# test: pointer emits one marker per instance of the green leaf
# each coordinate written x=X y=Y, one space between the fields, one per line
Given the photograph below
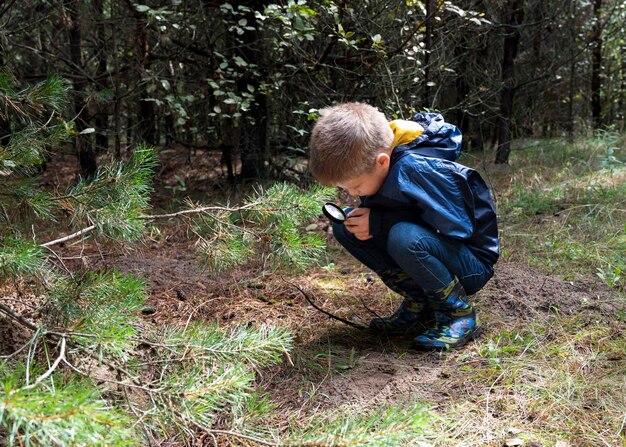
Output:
x=240 y=62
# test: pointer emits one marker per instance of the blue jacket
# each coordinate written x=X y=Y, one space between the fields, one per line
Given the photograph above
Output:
x=426 y=186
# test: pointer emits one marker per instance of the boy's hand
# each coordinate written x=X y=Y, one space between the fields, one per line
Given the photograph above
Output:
x=358 y=223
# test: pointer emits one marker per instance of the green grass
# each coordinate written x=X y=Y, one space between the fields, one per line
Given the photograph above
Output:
x=562 y=207
x=560 y=379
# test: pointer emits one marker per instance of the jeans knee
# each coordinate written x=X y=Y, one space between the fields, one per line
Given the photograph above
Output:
x=407 y=237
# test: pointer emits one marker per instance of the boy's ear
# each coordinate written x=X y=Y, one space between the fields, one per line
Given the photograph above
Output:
x=382 y=159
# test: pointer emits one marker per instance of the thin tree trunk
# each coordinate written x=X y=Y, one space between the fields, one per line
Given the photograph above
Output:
x=596 y=65
x=514 y=18
x=129 y=130
x=470 y=141
x=147 y=129
x=572 y=75
x=117 y=127
x=83 y=144
x=621 y=112
x=254 y=153
x=102 y=116
x=5 y=129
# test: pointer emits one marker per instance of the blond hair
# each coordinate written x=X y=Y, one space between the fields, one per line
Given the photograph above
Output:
x=346 y=140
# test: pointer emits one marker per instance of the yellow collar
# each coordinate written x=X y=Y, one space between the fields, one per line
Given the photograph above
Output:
x=405 y=131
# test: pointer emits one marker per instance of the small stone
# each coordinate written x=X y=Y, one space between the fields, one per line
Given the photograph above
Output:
x=513 y=442
x=148 y=310
x=311 y=227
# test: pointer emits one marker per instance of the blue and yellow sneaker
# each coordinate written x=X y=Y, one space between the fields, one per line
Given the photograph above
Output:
x=455 y=320
x=411 y=317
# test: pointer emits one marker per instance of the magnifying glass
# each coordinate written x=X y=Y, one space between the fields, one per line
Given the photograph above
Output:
x=334 y=213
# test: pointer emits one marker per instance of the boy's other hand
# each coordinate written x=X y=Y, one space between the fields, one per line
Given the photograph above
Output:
x=358 y=223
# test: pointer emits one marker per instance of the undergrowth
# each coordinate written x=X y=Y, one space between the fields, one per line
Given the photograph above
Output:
x=562 y=207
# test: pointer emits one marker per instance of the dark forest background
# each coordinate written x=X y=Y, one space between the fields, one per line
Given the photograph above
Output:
x=247 y=78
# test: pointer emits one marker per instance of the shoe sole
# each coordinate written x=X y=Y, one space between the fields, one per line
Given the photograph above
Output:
x=473 y=336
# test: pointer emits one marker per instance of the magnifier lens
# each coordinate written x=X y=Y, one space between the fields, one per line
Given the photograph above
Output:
x=334 y=213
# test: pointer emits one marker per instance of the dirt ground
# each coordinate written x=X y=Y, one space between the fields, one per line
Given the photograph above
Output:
x=332 y=365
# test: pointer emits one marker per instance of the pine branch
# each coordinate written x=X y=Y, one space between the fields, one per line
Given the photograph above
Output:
x=69 y=237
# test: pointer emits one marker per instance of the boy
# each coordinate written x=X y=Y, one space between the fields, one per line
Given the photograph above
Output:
x=426 y=225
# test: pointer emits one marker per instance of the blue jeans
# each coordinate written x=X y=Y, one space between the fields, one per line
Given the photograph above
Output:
x=430 y=260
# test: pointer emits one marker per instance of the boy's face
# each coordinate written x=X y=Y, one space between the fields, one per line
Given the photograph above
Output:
x=369 y=183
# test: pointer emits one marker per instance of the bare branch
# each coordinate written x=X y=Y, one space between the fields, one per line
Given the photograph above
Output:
x=48 y=373
x=89 y=229
x=199 y=211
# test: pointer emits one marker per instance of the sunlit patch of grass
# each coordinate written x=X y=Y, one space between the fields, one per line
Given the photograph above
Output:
x=561 y=379
x=328 y=283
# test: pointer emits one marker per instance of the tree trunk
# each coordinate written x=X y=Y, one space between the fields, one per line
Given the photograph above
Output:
x=117 y=106
x=102 y=115
x=83 y=144
x=5 y=129
x=471 y=140
x=514 y=18
x=572 y=75
x=621 y=111
x=254 y=152
x=147 y=126
x=596 y=65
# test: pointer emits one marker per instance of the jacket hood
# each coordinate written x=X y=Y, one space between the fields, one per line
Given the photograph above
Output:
x=405 y=131
x=438 y=139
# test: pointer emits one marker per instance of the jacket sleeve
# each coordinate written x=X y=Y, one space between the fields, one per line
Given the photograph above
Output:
x=441 y=198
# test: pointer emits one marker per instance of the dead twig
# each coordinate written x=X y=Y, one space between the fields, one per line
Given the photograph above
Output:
x=47 y=374
x=86 y=230
x=335 y=317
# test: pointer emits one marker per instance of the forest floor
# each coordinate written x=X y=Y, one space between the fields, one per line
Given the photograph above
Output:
x=548 y=369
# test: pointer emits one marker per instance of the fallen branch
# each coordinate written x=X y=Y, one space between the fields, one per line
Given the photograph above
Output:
x=20 y=319
x=335 y=317
x=203 y=209
x=47 y=374
x=198 y=211
x=89 y=229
